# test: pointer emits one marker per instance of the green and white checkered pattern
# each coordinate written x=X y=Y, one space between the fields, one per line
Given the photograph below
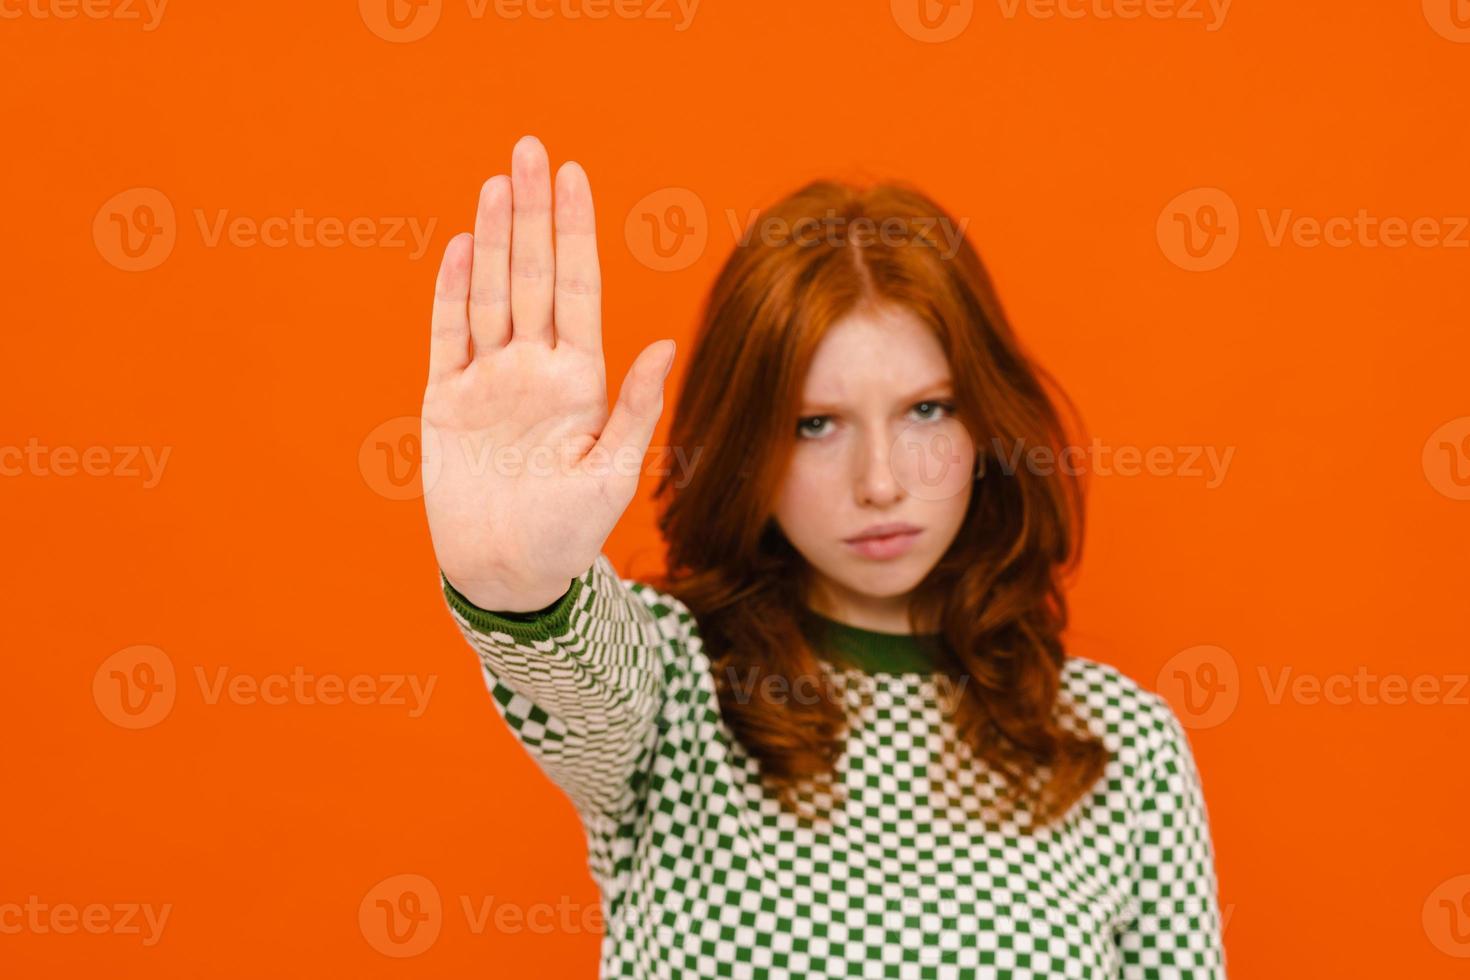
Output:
x=703 y=874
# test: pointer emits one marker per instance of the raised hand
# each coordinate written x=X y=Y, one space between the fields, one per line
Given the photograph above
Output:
x=533 y=471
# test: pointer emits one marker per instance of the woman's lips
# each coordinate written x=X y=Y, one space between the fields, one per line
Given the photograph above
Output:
x=888 y=546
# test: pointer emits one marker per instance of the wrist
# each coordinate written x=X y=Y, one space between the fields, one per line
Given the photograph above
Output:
x=534 y=626
x=493 y=597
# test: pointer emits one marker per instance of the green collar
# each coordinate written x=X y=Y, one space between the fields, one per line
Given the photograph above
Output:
x=871 y=651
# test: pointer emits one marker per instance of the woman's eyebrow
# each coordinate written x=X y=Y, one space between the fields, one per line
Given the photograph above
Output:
x=943 y=384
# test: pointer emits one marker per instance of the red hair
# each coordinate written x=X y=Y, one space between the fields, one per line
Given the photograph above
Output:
x=995 y=595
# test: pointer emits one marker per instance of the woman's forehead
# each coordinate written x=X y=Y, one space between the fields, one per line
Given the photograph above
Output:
x=895 y=353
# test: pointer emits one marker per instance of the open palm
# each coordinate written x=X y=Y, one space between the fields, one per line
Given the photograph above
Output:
x=533 y=471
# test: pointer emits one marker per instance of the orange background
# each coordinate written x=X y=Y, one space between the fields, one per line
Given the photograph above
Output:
x=1335 y=542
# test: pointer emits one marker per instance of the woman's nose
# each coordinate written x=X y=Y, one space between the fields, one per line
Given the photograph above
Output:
x=877 y=484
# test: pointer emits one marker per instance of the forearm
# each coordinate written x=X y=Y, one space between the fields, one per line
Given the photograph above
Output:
x=579 y=682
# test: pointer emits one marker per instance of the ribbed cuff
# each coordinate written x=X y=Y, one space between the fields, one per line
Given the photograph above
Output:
x=541 y=624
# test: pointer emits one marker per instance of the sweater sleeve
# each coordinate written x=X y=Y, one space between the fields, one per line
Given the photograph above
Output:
x=581 y=682
x=1176 y=931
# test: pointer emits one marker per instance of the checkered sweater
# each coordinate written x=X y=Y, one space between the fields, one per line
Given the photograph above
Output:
x=703 y=874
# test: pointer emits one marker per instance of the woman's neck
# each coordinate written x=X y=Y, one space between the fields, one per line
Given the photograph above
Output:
x=881 y=614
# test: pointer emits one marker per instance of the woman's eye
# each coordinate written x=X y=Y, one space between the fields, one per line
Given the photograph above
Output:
x=946 y=407
x=804 y=426
x=814 y=426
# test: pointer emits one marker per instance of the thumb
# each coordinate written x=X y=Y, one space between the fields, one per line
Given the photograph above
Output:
x=640 y=402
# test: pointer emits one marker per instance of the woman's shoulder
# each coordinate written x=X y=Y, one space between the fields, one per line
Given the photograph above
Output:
x=1132 y=721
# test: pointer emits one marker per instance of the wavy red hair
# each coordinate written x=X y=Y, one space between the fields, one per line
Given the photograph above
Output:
x=995 y=595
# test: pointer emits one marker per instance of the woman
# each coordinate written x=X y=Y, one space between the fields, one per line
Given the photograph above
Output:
x=841 y=736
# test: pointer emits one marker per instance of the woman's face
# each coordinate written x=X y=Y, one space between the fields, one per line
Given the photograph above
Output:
x=877 y=443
